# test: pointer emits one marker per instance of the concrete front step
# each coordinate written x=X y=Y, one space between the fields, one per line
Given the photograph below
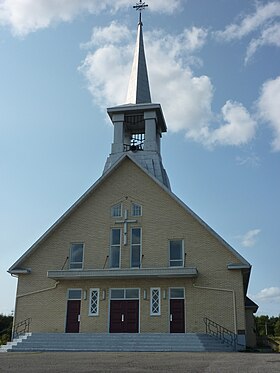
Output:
x=118 y=342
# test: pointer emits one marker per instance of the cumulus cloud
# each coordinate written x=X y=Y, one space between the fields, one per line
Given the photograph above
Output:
x=269 y=36
x=269 y=108
x=268 y=294
x=263 y=22
x=250 y=23
x=249 y=238
x=186 y=99
x=238 y=126
x=25 y=16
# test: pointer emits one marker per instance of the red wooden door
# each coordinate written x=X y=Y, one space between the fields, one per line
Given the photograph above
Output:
x=124 y=316
x=73 y=316
x=177 y=316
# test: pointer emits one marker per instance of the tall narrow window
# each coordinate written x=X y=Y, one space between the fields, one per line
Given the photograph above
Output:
x=94 y=302
x=135 y=247
x=76 y=256
x=155 y=301
x=115 y=248
x=176 y=258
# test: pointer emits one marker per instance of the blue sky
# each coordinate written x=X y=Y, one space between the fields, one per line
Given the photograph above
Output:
x=214 y=67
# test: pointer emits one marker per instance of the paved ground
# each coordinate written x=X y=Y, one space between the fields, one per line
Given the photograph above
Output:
x=86 y=362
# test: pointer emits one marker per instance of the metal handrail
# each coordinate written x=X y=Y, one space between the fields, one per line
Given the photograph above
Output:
x=21 y=327
x=220 y=332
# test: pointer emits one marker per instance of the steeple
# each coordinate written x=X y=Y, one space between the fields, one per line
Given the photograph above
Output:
x=138 y=87
x=139 y=123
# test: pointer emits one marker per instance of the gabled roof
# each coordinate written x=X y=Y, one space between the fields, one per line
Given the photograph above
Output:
x=249 y=304
x=16 y=267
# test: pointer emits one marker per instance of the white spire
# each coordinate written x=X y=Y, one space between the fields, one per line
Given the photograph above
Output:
x=138 y=88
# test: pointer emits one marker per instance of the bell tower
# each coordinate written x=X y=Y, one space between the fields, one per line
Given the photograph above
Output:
x=139 y=123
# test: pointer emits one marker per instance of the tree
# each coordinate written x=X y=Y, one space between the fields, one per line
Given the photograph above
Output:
x=266 y=325
x=6 y=323
x=277 y=328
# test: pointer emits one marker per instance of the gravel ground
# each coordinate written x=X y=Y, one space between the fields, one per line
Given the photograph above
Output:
x=86 y=362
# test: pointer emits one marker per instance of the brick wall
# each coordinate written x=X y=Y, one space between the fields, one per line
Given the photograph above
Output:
x=163 y=219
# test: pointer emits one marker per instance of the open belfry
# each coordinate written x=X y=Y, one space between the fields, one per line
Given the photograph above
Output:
x=129 y=261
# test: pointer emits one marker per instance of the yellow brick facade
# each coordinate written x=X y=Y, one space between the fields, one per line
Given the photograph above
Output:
x=216 y=293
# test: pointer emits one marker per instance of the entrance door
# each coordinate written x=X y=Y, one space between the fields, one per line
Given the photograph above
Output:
x=73 y=316
x=177 y=310
x=124 y=316
x=177 y=316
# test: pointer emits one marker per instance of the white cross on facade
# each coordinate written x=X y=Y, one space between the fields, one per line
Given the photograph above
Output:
x=125 y=222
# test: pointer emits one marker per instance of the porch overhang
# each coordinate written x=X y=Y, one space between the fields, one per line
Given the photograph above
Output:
x=123 y=273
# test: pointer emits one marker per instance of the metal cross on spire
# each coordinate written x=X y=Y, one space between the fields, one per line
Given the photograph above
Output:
x=140 y=6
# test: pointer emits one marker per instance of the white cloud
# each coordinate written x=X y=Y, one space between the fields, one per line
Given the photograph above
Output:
x=269 y=36
x=25 y=16
x=269 y=108
x=249 y=238
x=195 y=38
x=264 y=21
x=186 y=99
x=238 y=126
x=263 y=14
x=268 y=294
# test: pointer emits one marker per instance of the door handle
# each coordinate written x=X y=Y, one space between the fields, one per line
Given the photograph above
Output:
x=122 y=317
x=79 y=318
x=171 y=318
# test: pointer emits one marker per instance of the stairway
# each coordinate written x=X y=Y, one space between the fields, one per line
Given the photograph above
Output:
x=124 y=342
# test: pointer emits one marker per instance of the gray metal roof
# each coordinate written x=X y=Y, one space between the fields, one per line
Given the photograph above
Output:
x=138 y=87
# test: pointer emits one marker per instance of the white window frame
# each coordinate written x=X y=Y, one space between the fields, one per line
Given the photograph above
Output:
x=124 y=297
x=74 y=298
x=151 y=302
x=182 y=253
x=116 y=206
x=136 y=207
x=96 y=290
x=111 y=246
x=70 y=257
x=132 y=245
x=177 y=288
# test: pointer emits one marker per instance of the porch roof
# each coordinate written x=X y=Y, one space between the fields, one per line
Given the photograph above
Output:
x=123 y=273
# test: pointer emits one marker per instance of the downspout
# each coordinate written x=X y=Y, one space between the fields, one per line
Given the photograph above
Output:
x=233 y=300
x=38 y=291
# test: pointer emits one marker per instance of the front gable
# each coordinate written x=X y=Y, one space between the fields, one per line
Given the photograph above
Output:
x=162 y=218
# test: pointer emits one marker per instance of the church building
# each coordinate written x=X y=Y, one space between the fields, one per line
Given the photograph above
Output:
x=129 y=256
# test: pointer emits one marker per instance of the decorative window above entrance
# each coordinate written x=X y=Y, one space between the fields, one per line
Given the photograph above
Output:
x=124 y=293
x=74 y=294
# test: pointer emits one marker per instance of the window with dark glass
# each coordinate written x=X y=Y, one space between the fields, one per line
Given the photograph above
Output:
x=115 y=248
x=136 y=209
x=76 y=255
x=176 y=258
x=116 y=210
x=135 y=247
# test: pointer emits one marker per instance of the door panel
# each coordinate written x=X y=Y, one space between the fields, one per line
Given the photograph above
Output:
x=177 y=316
x=132 y=316
x=72 y=317
x=116 y=312
x=124 y=316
